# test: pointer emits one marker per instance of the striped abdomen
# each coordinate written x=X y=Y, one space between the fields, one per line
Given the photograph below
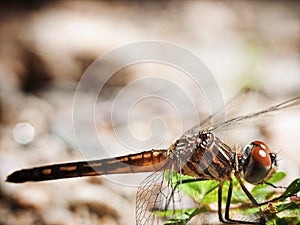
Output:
x=147 y=161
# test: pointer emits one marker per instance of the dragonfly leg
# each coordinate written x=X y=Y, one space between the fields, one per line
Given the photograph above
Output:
x=220 y=202
x=249 y=195
x=227 y=208
x=274 y=186
x=226 y=220
x=189 y=181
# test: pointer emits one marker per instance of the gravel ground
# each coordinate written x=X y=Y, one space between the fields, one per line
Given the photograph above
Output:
x=45 y=49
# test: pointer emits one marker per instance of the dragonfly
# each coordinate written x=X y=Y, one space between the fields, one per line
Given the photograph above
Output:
x=198 y=153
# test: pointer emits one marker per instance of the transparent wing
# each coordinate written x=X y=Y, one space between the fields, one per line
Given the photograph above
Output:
x=160 y=197
x=231 y=108
x=256 y=115
x=157 y=199
x=234 y=107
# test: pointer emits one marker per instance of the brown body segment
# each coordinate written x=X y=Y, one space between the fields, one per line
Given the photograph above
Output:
x=148 y=161
x=210 y=160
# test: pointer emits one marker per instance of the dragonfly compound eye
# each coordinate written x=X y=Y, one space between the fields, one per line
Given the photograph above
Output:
x=260 y=162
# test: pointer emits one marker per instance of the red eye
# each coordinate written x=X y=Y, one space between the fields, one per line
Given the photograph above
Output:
x=259 y=162
x=261 y=154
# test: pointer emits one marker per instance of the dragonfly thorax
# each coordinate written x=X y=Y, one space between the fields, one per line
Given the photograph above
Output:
x=210 y=158
x=257 y=162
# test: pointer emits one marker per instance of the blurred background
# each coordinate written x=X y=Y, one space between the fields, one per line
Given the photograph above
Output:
x=45 y=48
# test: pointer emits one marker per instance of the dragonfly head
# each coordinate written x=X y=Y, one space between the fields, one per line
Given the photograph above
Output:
x=257 y=162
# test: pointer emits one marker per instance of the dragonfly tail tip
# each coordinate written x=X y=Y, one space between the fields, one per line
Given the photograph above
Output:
x=16 y=178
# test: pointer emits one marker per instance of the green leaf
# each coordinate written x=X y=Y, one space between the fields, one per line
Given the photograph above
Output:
x=280 y=221
x=263 y=192
x=206 y=192
x=274 y=179
x=180 y=216
x=292 y=189
x=277 y=177
x=289 y=206
x=284 y=221
x=238 y=194
x=201 y=191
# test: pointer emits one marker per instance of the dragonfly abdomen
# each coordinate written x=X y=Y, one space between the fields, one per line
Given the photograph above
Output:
x=148 y=161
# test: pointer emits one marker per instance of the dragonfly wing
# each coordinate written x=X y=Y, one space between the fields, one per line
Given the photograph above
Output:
x=157 y=199
x=231 y=108
x=234 y=108
x=256 y=116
